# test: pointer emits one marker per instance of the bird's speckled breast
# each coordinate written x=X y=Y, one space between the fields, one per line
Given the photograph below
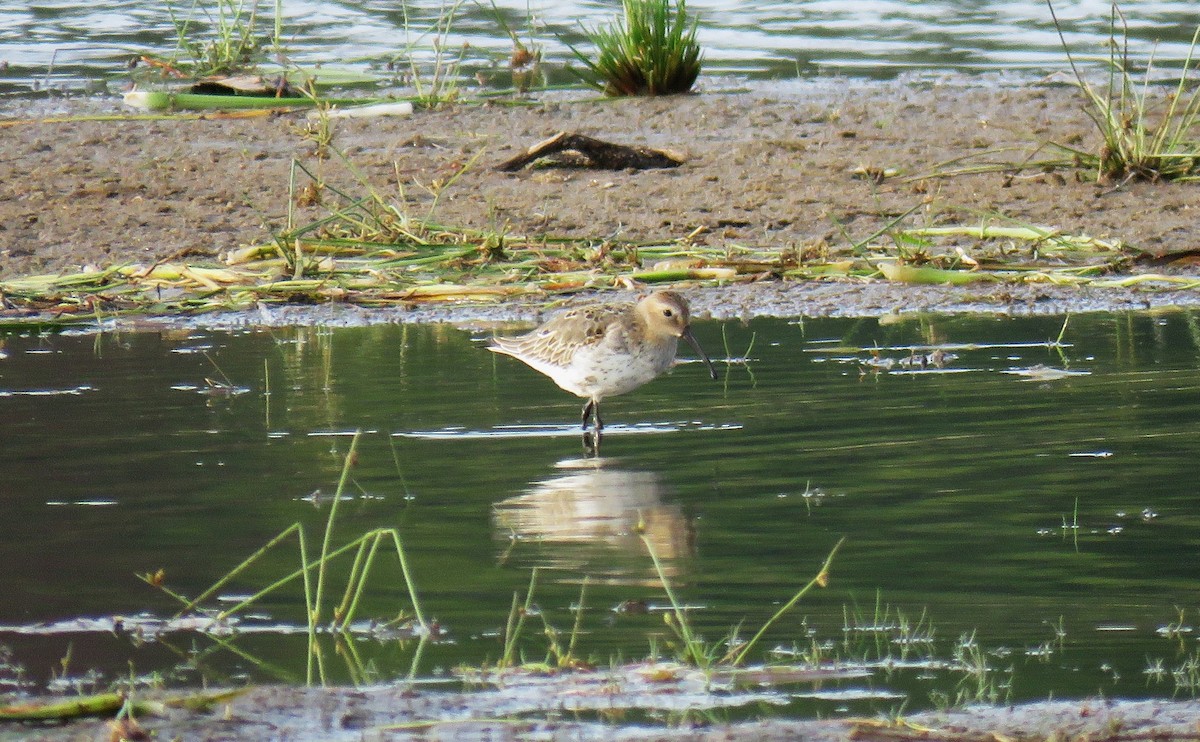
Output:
x=617 y=365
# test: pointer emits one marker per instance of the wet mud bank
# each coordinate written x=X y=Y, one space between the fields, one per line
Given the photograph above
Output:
x=389 y=713
x=802 y=171
x=737 y=303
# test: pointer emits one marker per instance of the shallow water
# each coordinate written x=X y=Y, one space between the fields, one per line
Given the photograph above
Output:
x=987 y=481
x=69 y=45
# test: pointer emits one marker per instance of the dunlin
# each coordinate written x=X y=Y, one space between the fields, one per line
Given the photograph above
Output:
x=601 y=350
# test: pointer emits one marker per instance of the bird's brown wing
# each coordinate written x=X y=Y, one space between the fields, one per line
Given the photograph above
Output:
x=557 y=341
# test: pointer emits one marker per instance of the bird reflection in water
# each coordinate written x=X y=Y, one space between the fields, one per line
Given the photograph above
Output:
x=587 y=518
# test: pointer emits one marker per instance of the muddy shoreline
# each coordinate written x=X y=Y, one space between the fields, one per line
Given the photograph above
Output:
x=274 y=713
x=721 y=303
x=777 y=171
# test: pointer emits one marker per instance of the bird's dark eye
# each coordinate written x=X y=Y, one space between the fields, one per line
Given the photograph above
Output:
x=668 y=313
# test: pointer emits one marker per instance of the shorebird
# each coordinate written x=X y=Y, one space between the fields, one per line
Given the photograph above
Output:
x=601 y=350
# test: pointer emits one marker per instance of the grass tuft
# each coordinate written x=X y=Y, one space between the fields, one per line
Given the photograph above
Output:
x=1145 y=136
x=435 y=81
x=707 y=656
x=236 y=43
x=365 y=548
x=652 y=50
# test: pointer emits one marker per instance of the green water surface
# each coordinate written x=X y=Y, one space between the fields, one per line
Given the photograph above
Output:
x=1033 y=500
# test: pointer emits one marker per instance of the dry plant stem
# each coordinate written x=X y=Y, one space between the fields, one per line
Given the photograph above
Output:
x=822 y=578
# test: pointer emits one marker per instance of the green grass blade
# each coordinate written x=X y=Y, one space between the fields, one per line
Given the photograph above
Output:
x=351 y=456
x=822 y=578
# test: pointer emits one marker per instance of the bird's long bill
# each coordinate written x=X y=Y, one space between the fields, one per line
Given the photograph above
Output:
x=688 y=336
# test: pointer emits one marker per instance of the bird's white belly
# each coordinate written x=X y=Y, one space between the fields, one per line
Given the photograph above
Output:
x=600 y=372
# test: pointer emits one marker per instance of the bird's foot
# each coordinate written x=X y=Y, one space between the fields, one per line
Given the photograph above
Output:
x=591 y=443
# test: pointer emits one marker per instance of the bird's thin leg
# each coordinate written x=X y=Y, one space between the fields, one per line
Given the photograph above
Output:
x=587 y=411
x=596 y=417
x=591 y=443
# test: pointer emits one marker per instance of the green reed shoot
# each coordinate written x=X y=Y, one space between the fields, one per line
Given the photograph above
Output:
x=516 y=622
x=694 y=649
x=355 y=584
x=578 y=625
x=651 y=50
x=351 y=457
x=564 y=659
x=1058 y=342
x=1073 y=526
x=737 y=655
x=1143 y=139
x=365 y=548
x=435 y=83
